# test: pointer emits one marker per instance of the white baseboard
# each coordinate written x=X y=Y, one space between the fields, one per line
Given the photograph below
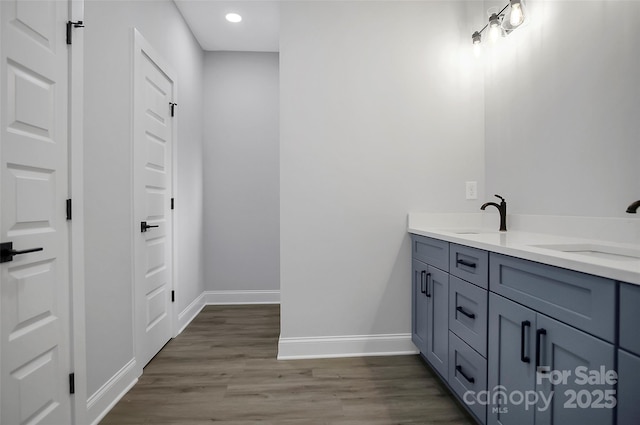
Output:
x=345 y=346
x=103 y=400
x=188 y=314
x=241 y=297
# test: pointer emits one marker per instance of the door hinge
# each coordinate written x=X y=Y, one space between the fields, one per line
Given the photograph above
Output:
x=68 y=209
x=70 y=25
x=173 y=296
x=172 y=203
x=173 y=106
x=72 y=383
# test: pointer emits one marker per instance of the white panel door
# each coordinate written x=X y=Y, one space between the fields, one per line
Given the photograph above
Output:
x=34 y=287
x=152 y=188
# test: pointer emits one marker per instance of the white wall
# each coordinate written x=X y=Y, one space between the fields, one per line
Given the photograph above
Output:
x=562 y=110
x=108 y=170
x=381 y=114
x=241 y=201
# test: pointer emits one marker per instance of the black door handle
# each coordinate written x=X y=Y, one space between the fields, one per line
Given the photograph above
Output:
x=144 y=226
x=470 y=379
x=427 y=293
x=422 y=281
x=539 y=332
x=465 y=312
x=7 y=252
x=467 y=263
x=523 y=325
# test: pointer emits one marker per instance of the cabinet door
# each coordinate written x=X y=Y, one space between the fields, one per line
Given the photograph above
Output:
x=628 y=388
x=419 y=306
x=438 y=319
x=510 y=360
x=629 y=317
x=563 y=349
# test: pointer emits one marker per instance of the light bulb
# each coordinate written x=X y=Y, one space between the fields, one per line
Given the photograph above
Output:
x=477 y=46
x=494 y=28
x=233 y=17
x=517 y=17
x=477 y=50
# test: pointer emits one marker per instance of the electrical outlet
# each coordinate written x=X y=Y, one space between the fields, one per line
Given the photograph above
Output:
x=472 y=190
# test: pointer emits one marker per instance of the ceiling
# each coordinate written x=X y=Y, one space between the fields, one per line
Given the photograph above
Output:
x=259 y=30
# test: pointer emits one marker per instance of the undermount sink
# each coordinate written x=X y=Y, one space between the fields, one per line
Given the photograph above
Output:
x=597 y=251
x=463 y=231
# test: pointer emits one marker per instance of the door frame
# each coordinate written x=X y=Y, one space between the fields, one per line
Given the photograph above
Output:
x=140 y=44
x=76 y=225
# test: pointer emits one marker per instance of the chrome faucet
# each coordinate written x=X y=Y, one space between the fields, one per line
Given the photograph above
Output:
x=633 y=208
x=502 y=209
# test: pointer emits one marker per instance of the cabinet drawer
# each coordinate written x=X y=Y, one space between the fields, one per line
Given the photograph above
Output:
x=581 y=300
x=467 y=372
x=470 y=264
x=468 y=313
x=431 y=251
x=629 y=317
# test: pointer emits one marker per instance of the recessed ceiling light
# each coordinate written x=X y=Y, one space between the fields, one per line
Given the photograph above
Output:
x=233 y=17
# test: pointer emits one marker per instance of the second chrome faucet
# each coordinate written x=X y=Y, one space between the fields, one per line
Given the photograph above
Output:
x=502 y=209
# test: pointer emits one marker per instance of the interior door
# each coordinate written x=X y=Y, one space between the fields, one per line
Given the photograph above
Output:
x=34 y=286
x=152 y=187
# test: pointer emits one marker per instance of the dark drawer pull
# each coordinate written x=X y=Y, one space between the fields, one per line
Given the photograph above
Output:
x=471 y=380
x=523 y=325
x=467 y=263
x=539 y=333
x=427 y=293
x=423 y=281
x=466 y=313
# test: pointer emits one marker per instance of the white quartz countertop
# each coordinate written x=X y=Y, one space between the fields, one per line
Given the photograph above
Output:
x=583 y=255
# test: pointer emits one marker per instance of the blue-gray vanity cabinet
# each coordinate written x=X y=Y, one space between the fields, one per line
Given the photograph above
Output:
x=628 y=388
x=517 y=334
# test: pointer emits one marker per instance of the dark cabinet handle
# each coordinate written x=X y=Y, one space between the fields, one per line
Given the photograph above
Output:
x=467 y=263
x=465 y=312
x=427 y=293
x=471 y=380
x=539 y=333
x=423 y=281
x=7 y=252
x=523 y=325
x=144 y=226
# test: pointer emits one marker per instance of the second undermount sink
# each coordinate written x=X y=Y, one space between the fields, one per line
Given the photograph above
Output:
x=597 y=251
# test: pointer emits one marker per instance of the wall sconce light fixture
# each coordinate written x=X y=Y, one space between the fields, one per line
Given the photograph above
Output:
x=500 y=24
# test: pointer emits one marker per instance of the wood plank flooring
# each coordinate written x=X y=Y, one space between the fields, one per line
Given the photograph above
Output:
x=222 y=369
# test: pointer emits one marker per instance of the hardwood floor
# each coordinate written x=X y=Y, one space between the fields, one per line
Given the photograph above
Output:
x=222 y=369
